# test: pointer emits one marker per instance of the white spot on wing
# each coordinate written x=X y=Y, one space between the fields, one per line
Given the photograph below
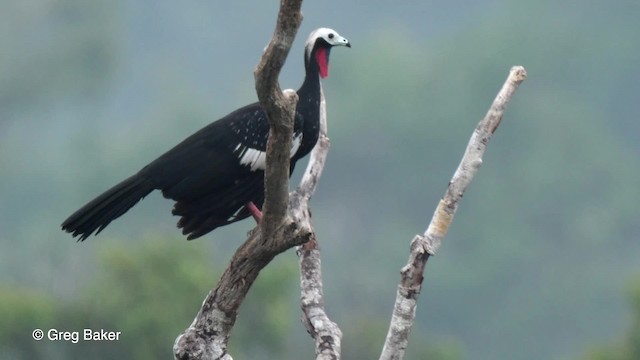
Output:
x=235 y=215
x=295 y=144
x=257 y=159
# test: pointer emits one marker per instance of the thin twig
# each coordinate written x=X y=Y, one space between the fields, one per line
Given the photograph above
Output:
x=426 y=245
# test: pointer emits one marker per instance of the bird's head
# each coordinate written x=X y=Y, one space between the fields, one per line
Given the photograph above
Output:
x=318 y=47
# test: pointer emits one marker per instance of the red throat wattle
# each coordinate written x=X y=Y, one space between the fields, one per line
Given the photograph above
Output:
x=323 y=64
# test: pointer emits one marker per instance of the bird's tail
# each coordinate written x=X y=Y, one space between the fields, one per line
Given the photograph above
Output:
x=99 y=212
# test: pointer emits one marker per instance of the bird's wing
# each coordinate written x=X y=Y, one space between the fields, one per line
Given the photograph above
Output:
x=211 y=159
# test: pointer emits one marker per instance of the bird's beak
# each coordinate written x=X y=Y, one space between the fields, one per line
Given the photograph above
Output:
x=340 y=41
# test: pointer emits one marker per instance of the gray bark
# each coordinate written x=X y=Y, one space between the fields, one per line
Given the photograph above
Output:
x=208 y=335
x=426 y=245
x=287 y=221
x=325 y=333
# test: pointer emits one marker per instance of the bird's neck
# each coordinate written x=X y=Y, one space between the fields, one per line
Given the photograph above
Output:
x=311 y=86
x=308 y=109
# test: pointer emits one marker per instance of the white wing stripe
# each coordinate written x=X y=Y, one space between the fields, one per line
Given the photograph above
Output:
x=256 y=159
x=295 y=144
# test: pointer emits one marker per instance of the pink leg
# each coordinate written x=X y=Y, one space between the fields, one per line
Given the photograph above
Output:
x=255 y=212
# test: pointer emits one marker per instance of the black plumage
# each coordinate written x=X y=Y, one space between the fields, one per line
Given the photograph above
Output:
x=215 y=173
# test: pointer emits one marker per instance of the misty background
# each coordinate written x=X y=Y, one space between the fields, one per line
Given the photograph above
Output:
x=539 y=261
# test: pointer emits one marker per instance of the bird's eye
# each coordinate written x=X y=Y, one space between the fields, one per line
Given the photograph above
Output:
x=331 y=36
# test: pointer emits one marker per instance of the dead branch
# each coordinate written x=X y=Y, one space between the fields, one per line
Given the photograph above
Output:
x=207 y=337
x=426 y=245
x=325 y=333
x=280 y=109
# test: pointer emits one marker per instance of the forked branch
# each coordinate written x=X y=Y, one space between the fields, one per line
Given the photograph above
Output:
x=207 y=337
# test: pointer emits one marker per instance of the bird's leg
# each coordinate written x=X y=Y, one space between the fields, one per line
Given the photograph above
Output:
x=255 y=212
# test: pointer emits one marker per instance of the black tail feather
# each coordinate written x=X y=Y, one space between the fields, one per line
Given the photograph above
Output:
x=99 y=212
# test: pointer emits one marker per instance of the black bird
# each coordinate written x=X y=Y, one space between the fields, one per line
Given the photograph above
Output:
x=216 y=175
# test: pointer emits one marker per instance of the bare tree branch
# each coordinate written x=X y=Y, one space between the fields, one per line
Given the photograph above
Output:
x=207 y=337
x=426 y=245
x=326 y=334
x=280 y=109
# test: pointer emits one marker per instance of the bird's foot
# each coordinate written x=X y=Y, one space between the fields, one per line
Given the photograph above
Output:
x=255 y=212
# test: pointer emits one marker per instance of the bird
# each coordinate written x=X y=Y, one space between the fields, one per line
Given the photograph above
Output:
x=216 y=175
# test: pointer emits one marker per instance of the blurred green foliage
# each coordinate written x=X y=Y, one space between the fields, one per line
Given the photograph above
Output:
x=150 y=293
x=628 y=346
